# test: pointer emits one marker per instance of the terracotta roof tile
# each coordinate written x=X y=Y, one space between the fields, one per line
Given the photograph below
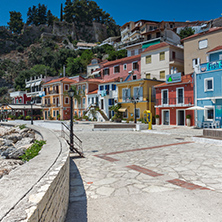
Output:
x=202 y=33
x=63 y=79
x=219 y=47
x=157 y=46
x=93 y=92
x=121 y=60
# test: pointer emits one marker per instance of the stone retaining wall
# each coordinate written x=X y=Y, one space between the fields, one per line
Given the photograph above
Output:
x=39 y=189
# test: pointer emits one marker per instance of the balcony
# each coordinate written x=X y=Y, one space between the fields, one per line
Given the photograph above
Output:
x=176 y=61
x=53 y=92
x=173 y=102
x=46 y=105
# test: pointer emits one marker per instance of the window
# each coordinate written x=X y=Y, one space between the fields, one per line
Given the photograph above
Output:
x=164 y=97
x=113 y=87
x=66 y=87
x=196 y=62
x=148 y=59
x=138 y=93
x=173 y=55
x=116 y=69
x=106 y=71
x=180 y=95
x=57 y=101
x=66 y=100
x=125 y=114
x=79 y=113
x=162 y=74
x=124 y=67
x=53 y=100
x=88 y=101
x=151 y=28
x=132 y=52
x=92 y=100
x=101 y=88
x=126 y=94
x=148 y=75
x=46 y=101
x=135 y=65
x=209 y=113
x=134 y=77
x=92 y=70
x=83 y=88
x=107 y=87
x=83 y=102
x=54 y=113
x=208 y=84
x=111 y=102
x=157 y=34
x=220 y=57
x=102 y=104
x=203 y=44
x=149 y=37
x=162 y=56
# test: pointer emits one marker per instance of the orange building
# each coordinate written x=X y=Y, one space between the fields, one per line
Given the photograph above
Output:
x=56 y=102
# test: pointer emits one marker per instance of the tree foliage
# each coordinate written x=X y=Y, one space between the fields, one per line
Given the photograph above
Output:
x=16 y=23
x=86 y=11
x=187 y=31
x=40 y=15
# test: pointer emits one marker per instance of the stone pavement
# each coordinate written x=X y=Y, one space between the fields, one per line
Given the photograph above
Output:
x=158 y=175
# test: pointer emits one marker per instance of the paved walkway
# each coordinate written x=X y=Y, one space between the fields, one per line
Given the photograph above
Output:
x=158 y=175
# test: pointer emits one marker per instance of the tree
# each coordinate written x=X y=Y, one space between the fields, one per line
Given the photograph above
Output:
x=68 y=11
x=37 y=15
x=61 y=13
x=50 y=18
x=113 y=55
x=187 y=31
x=16 y=23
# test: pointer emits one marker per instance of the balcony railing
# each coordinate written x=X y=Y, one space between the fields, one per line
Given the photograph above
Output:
x=54 y=92
x=177 y=101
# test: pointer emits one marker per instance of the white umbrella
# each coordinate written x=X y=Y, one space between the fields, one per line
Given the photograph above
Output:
x=196 y=108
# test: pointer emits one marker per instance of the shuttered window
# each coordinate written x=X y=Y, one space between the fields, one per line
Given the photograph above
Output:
x=148 y=59
x=162 y=74
x=162 y=56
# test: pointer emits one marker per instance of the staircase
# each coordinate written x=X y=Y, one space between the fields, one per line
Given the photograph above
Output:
x=77 y=143
x=103 y=115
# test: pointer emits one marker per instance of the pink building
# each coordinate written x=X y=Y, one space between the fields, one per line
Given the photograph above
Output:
x=122 y=68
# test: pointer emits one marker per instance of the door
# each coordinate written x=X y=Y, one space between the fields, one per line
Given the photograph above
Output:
x=180 y=118
x=166 y=117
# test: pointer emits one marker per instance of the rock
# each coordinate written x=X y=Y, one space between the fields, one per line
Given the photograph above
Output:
x=3 y=148
x=24 y=130
x=14 y=137
x=23 y=142
x=3 y=131
x=3 y=172
x=17 y=153
x=2 y=142
x=8 y=151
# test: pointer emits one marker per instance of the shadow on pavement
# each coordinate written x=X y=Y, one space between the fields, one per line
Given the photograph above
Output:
x=77 y=210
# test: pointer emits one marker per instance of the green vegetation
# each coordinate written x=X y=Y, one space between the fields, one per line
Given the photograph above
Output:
x=33 y=150
x=187 y=31
x=22 y=126
x=16 y=23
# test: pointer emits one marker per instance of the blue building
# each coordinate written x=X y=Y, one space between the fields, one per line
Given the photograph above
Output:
x=208 y=89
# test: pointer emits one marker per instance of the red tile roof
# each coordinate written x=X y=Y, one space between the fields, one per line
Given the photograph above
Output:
x=93 y=92
x=157 y=46
x=121 y=60
x=63 y=79
x=219 y=47
x=202 y=33
x=184 y=79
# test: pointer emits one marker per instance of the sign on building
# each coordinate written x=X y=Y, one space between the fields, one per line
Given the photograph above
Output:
x=171 y=78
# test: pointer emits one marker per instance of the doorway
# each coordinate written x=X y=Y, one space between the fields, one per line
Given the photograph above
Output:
x=181 y=118
x=166 y=117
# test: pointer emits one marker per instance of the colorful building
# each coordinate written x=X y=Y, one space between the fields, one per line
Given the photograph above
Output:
x=56 y=102
x=161 y=59
x=173 y=98
x=208 y=89
x=135 y=97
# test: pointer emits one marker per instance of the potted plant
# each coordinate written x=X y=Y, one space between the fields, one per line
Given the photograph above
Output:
x=131 y=120
x=188 y=117
x=58 y=117
x=157 y=120
x=123 y=121
x=139 y=120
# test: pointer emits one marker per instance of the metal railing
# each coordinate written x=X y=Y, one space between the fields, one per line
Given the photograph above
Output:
x=77 y=142
x=174 y=101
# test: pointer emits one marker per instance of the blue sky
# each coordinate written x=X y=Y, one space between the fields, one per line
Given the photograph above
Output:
x=130 y=10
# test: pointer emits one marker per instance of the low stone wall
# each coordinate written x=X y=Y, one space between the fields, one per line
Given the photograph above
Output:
x=114 y=126
x=39 y=189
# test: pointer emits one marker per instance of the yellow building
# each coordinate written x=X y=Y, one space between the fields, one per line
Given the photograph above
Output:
x=56 y=102
x=135 y=97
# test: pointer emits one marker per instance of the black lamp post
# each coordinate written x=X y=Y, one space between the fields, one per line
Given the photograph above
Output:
x=71 y=95
x=134 y=101
x=32 y=102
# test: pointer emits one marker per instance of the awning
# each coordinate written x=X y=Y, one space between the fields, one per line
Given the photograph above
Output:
x=24 y=106
x=95 y=73
x=122 y=110
x=37 y=83
x=28 y=85
x=146 y=45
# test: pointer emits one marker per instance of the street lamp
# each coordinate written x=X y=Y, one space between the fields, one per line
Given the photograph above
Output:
x=32 y=102
x=71 y=95
x=134 y=101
